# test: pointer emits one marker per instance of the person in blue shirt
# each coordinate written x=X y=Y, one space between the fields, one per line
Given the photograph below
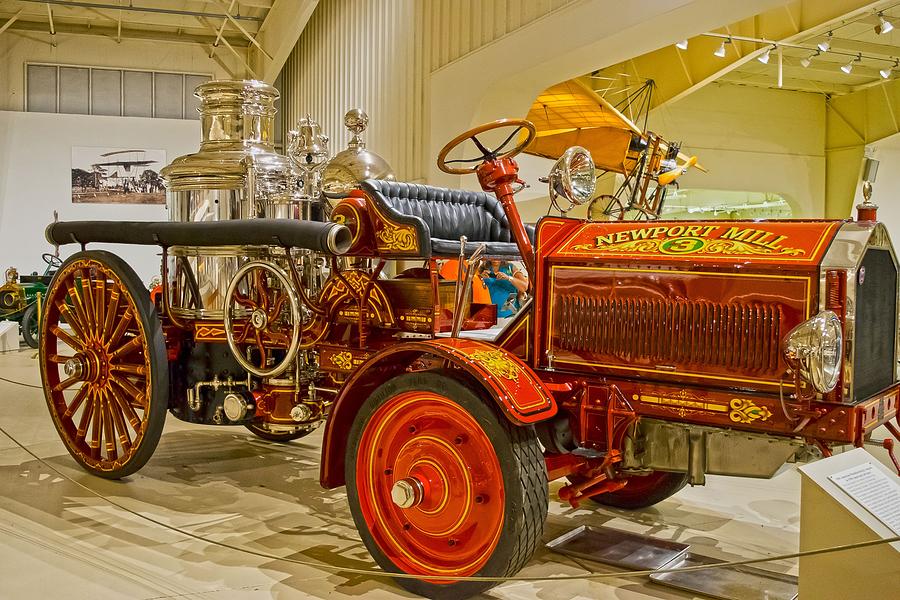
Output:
x=506 y=284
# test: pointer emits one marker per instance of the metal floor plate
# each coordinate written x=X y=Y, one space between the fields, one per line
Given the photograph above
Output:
x=728 y=583
x=618 y=548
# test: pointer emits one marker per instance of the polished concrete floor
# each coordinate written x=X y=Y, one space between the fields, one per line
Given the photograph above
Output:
x=59 y=541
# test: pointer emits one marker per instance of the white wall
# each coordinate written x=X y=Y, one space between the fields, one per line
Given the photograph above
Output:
x=752 y=139
x=887 y=182
x=35 y=179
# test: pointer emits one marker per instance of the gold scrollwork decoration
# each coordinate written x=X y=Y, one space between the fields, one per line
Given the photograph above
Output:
x=497 y=364
x=692 y=246
x=342 y=360
x=396 y=237
x=747 y=411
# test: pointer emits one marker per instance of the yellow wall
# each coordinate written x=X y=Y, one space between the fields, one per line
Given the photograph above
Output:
x=752 y=139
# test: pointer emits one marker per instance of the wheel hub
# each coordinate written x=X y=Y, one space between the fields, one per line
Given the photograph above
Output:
x=258 y=319
x=73 y=368
x=408 y=492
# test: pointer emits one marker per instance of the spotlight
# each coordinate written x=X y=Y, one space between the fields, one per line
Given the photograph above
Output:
x=825 y=45
x=682 y=45
x=885 y=73
x=848 y=68
x=764 y=57
x=884 y=26
x=720 y=51
x=806 y=61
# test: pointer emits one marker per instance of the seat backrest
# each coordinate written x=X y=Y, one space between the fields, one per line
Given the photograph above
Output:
x=448 y=213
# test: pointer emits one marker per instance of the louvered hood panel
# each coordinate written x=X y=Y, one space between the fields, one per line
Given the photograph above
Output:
x=704 y=303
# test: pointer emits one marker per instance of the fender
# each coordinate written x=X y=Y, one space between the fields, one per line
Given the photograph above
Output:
x=516 y=389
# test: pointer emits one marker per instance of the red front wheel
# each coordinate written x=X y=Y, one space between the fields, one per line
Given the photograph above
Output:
x=440 y=484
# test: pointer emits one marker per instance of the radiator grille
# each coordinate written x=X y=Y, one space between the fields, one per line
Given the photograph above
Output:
x=671 y=332
x=876 y=325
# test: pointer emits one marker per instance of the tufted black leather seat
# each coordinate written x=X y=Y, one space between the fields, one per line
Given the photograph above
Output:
x=442 y=215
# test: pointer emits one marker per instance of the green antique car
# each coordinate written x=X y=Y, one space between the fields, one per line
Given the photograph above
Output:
x=20 y=296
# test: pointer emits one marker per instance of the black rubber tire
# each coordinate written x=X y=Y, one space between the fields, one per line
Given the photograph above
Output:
x=524 y=474
x=159 y=367
x=663 y=485
x=31 y=329
x=279 y=437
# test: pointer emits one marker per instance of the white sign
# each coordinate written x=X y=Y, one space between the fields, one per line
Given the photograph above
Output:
x=874 y=491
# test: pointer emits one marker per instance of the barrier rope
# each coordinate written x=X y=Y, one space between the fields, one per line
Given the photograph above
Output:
x=373 y=572
x=21 y=383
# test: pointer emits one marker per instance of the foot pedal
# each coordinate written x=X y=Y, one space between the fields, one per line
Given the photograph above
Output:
x=618 y=548
x=728 y=583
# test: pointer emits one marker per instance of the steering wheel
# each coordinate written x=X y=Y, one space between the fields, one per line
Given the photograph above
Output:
x=486 y=154
x=53 y=261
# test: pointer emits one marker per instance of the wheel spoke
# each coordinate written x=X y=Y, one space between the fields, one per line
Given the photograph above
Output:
x=109 y=433
x=72 y=319
x=261 y=290
x=96 y=422
x=133 y=393
x=276 y=309
x=79 y=308
x=277 y=338
x=73 y=343
x=128 y=411
x=263 y=353
x=244 y=301
x=100 y=305
x=121 y=427
x=87 y=295
x=130 y=368
x=58 y=359
x=112 y=311
x=134 y=344
x=85 y=420
x=65 y=384
x=76 y=402
x=124 y=322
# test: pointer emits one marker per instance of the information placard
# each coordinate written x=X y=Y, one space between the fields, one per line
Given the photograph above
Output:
x=874 y=491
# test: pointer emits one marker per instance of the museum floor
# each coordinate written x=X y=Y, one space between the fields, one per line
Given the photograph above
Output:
x=227 y=485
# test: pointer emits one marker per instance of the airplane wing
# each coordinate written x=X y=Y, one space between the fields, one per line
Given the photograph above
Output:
x=570 y=113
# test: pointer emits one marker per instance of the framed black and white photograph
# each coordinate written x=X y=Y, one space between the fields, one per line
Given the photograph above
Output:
x=117 y=175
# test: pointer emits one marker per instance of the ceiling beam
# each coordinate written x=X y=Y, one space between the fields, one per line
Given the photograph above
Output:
x=246 y=3
x=885 y=50
x=10 y=21
x=246 y=33
x=279 y=34
x=231 y=48
x=112 y=31
x=222 y=28
x=789 y=83
x=144 y=9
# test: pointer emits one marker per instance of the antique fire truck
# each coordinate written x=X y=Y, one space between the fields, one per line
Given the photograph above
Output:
x=647 y=355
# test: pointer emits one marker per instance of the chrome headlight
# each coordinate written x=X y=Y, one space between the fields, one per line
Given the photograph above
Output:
x=572 y=177
x=813 y=349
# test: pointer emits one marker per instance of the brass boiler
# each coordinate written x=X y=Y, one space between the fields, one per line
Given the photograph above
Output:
x=232 y=176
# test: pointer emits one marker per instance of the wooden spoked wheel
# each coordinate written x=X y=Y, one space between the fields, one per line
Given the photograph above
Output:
x=103 y=364
x=440 y=484
x=262 y=319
